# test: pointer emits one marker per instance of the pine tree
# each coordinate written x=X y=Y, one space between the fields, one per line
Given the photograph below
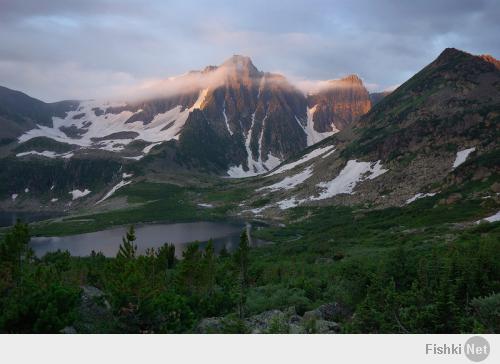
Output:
x=127 y=249
x=242 y=262
x=166 y=256
x=209 y=263
x=14 y=250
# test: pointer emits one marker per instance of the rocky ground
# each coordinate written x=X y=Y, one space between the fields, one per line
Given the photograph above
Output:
x=321 y=320
x=95 y=316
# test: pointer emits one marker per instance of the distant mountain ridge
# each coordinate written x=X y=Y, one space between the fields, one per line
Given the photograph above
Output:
x=243 y=122
x=437 y=132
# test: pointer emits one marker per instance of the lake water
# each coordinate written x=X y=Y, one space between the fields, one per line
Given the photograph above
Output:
x=223 y=234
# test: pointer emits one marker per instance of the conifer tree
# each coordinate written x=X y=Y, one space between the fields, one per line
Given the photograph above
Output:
x=209 y=262
x=242 y=262
x=128 y=249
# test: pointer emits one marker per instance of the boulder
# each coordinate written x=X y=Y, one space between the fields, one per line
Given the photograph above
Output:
x=481 y=173
x=296 y=329
x=68 y=330
x=327 y=327
x=495 y=187
x=265 y=321
x=211 y=325
x=329 y=312
x=321 y=321
x=451 y=199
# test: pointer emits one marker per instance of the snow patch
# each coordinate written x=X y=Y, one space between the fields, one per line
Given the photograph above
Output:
x=262 y=167
x=45 y=153
x=255 y=167
x=113 y=190
x=462 y=156
x=314 y=136
x=418 y=196
x=492 y=218
x=353 y=173
x=14 y=196
x=126 y=175
x=75 y=194
x=54 y=200
x=138 y=157
x=26 y=190
x=206 y=205
x=225 y=118
x=149 y=147
x=257 y=211
x=328 y=154
x=312 y=154
x=289 y=203
x=291 y=181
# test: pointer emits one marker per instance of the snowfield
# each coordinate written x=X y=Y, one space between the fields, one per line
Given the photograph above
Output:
x=75 y=194
x=462 y=157
x=353 y=173
x=291 y=181
x=289 y=203
x=90 y=128
x=311 y=155
x=113 y=190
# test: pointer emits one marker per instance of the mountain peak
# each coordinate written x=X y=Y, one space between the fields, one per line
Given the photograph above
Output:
x=353 y=78
x=449 y=54
x=239 y=62
x=240 y=68
x=453 y=56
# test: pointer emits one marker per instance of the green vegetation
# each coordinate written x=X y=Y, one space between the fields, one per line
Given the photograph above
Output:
x=415 y=269
x=150 y=202
x=153 y=292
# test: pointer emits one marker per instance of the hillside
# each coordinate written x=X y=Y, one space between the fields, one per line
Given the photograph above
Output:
x=435 y=133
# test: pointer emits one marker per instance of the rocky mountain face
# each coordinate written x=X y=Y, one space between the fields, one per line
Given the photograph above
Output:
x=435 y=135
x=340 y=104
x=252 y=118
x=231 y=119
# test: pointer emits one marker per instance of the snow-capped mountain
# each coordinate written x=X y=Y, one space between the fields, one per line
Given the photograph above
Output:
x=235 y=119
x=435 y=133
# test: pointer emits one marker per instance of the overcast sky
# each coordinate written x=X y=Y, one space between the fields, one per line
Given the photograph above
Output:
x=62 y=49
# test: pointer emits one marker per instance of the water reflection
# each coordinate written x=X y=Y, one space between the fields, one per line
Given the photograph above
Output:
x=223 y=234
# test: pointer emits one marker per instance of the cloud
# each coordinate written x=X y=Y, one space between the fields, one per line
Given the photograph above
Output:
x=66 y=81
x=92 y=43
x=184 y=84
